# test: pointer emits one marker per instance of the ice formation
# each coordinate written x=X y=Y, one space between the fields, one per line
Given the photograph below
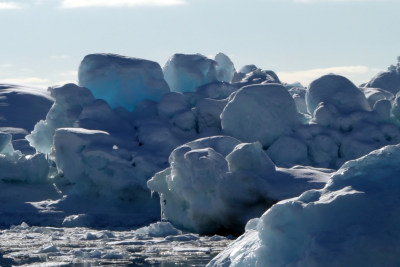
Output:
x=122 y=81
x=387 y=80
x=184 y=73
x=219 y=150
x=338 y=92
x=353 y=221
x=16 y=102
x=260 y=113
x=217 y=184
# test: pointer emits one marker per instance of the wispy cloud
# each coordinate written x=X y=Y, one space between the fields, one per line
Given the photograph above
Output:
x=119 y=3
x=10 y=5
x=33 y=81
x=357 y=74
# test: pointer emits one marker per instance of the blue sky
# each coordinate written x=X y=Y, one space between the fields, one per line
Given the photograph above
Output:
x=43 y=41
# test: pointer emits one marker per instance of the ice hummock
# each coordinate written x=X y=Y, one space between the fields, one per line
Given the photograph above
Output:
x=352 y=221
x=216 y=184
x=122 y=81
x=95 y=158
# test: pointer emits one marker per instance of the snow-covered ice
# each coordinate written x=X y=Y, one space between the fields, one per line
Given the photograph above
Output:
x=352 y=221
x=217 y=184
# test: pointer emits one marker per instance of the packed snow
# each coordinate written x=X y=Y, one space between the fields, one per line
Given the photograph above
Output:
x=203 y=148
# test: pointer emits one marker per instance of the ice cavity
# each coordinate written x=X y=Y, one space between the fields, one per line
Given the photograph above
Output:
x=260 y=113
x=122 y=81
x=186 y=72
x=352 y=221
x=216 y=184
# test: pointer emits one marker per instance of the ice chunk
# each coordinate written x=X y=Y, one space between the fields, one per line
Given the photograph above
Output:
x=122 y=81
x=299 y=96
x=373 y=95
x=184 y=73
x=87 y=158
x=352 y=221
x=251 y=158
x=288 y=151
x=16 y=167
x=387 y=80
x=158 y=229
x=6 y=146
x=257 y=76
x=78 y=220
x=242 y=117
x=48 y=249
x=216 y=184
x=225 y=68
x=338 y=91
x=69 y=103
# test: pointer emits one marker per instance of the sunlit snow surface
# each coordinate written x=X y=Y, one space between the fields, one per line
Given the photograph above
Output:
x=46 y=246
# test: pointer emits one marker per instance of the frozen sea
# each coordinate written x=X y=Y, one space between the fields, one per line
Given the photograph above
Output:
x=24 y=245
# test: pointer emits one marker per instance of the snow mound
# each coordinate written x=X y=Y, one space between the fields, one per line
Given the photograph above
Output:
x=353 y=221
x=260 y=113
x=122 y=81
x=184 y=73
x=337 y=91
x=216 y=184
x=387 y=80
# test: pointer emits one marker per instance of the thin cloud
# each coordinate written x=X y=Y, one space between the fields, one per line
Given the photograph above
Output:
x=33 y=81
x=10 y=5
x=356 y=74
x=119 y=3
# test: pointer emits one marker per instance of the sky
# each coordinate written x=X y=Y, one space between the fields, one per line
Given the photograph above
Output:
x=44 y=41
